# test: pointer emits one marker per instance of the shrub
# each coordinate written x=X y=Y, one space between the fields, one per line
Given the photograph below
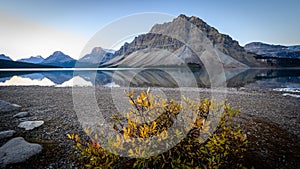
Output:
x=224 y=147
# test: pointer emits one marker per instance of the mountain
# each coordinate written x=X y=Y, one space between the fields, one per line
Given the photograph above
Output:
x=185 y=40
x=275 y=55
x=3 y=57
x=59 y=59
x=32 y=59
x=13 y=64
x=97 y=56
x=294 y=48
x=268 y=50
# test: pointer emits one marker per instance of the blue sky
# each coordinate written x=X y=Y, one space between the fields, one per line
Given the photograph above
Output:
x=35 y=27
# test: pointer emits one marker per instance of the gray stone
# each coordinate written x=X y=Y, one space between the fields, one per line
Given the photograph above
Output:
x=8 y=107
x=6 y=134
x=17 y=150
x=29 y=125
x=21 y=114
x=33 y=118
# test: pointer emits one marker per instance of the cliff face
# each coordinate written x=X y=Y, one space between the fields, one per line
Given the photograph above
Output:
x=156 y=50
x=150 y=40
x=188 y=40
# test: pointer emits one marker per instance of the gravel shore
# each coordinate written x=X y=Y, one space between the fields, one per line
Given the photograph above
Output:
x=270 y=120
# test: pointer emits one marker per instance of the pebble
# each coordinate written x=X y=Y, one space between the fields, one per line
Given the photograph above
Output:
x=6 y=134
x=21 y=114
x=27 y=118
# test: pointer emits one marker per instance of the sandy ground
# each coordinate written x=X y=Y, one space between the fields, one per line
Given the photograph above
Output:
x=270 y=120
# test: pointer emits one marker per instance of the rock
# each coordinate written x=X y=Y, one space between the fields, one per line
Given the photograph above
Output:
x=29 y=125
x=21 y=114
x=33 y=118
x=17 y=150
x=8 y=107
x=6 y=134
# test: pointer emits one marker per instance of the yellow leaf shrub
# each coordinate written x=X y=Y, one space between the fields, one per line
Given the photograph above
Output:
x=223 y=149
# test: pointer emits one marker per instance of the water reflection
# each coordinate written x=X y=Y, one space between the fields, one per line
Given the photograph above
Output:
x=25 y=81
x=250 y=78
x=79 y=81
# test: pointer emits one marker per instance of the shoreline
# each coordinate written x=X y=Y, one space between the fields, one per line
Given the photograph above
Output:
x=270 y=120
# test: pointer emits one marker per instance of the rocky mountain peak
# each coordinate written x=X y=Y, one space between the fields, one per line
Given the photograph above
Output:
x=4 y=57
x=58 y=53
x=173 y=36
x=182 y=16
x=97 y=50
x=32 y=59
x=58 y=56
x=98 y=55
x=202 y=25
x=38 y=56
x=60 y=59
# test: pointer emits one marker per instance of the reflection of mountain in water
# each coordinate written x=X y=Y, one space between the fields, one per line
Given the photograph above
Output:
x=56 y=77
x=268 y=76
x=59 y=77
x=96 y=77
x=3 y=79
x=156 y=78
x=75 y=81
x=33 y=76
x=270 y=79
x=24 y=81
x=257 y=78
x=185 y=77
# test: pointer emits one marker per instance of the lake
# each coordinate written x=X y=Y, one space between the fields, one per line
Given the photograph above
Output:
x=155 y=77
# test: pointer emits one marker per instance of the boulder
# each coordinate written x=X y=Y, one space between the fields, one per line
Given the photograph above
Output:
x=8 y=107
x=29 y=125
x=6 y=134
x=17 y=150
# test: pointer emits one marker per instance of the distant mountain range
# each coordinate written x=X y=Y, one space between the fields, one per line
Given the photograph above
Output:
x=275 y=55
x=7 y=62
x=268 y=50
x=3 y=57
x=32 y=59
x=185 y=40
x=56 y=60
x=97 y=57
x=14 y=64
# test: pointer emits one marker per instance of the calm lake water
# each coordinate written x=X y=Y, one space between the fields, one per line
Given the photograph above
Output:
x=236 y=78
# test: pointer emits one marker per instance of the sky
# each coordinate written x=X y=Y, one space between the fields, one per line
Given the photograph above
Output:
x=34 y=27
